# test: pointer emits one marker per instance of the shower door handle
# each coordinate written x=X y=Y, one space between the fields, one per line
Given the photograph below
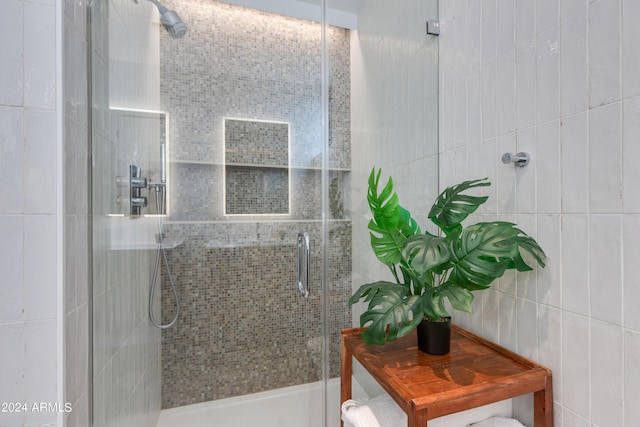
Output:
x=303 y=263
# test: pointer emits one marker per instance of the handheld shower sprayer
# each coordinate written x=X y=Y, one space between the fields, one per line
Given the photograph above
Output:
x=161 y=254
x=171 y=21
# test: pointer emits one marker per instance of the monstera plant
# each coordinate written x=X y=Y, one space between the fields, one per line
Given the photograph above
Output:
x=429 y=269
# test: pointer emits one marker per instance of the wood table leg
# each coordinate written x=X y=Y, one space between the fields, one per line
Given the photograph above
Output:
x=543 y=405
x=346 y=371
x=417 y=418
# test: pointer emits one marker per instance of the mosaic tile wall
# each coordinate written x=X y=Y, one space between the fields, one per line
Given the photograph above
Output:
x=202 y=185
x=243 y=327
x=232 y=63
x=256 y=191
x=256 y=143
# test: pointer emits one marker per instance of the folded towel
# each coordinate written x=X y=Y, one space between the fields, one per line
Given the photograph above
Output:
x=381 y=411
x=497 y=422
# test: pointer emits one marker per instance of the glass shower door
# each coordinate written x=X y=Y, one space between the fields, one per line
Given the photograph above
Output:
x=244 y=96
x=238 y=105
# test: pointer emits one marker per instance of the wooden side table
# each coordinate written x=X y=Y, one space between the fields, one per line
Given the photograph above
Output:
x=476 y=372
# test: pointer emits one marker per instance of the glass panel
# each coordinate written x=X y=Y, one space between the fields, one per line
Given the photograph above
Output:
x=394 y=125
x=125 y=88
x=244 y=328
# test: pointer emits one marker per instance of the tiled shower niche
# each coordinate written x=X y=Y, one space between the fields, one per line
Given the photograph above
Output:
x=256 y=167
x=243 y=326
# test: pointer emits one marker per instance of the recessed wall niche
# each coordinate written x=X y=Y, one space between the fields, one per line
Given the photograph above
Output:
x=256 y=159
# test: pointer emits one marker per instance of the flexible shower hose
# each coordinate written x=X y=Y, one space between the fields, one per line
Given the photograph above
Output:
x=161 y=253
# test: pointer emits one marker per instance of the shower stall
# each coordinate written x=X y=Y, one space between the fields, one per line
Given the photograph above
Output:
x=230 y=150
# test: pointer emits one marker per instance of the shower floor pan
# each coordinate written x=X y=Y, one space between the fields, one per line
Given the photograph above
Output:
x=297 y=406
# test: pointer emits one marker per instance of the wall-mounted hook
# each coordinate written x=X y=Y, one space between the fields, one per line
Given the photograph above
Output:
x=520 y=159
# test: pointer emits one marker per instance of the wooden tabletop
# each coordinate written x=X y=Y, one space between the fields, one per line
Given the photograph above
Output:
x=476 y=372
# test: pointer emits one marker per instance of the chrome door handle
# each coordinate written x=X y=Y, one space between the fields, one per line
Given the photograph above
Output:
x=303 y=263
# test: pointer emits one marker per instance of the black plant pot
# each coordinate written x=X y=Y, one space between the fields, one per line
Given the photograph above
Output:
x=434 y=337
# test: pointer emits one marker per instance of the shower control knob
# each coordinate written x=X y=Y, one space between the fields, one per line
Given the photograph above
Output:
x=520 y=159
x=137 y=182
x=139 y=202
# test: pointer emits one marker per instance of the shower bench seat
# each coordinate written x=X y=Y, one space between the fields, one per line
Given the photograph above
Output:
x=476 y=372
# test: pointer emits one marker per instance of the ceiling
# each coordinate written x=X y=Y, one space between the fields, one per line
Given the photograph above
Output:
x=341 y=13
x=351 y=6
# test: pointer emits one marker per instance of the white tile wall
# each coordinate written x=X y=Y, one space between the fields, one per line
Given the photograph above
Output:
x=548 y=167
x=39 y=162
x=39 y=55
x=577 y=113
x=29 y=216
x=548 y=75
x=547 y=14
x=12 y=369
x=11 y=77
x=575 y=394
x=605 y=177
x=40 y=372
x=549 y=338
x=574 y=73
x=40 y=265
x=12 y=267
x=11 y=160
x=574 y=154
x=604 y=52
x=631 y=270
x=630 y=52
x=605 y=267
x=631 y=377
x=606 y=374
x=575 y=249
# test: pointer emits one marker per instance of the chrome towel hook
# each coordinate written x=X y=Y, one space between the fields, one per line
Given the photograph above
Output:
x=520 y=159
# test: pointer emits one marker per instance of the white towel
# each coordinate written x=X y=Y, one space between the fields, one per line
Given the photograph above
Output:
x=498 y=422
x=381 y=411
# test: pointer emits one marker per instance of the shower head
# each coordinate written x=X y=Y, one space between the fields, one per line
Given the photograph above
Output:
x=171 y=21
x=173 y=24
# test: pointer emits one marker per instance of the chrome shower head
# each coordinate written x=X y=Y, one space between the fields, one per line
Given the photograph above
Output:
x=171 y=21
x=174 y=25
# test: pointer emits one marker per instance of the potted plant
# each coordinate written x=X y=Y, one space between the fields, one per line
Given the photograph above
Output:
x=429 y=269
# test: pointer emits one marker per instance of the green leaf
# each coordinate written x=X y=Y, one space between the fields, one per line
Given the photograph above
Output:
x=387 y=245
x=391 y=224
x=383 y=206
x=408 y=226
x=460 y=298
x=369 y=290
x=482 y=252
x=425 y=252
x=391 y=312
x=452 y=207
x=529 y=245
x=433 y=305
